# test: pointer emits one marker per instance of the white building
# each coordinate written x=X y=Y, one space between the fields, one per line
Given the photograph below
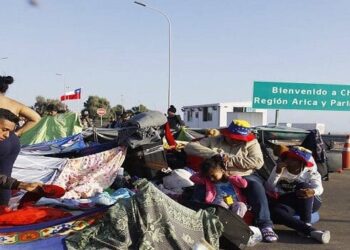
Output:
x=217 y=115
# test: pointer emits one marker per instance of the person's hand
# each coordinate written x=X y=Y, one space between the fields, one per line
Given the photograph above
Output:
x=30 y=187
x=212 y=132
x=221 y=157
x=305 y=193
x=280 y=167
x=225 y=159
x=179 y=146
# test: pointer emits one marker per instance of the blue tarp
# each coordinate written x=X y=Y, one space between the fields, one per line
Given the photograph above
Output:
x=64 y=145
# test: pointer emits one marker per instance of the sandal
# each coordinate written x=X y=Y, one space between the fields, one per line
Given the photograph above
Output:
x=269 y=235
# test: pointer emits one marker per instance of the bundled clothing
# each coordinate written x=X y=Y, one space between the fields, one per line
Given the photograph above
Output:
x=142 y=129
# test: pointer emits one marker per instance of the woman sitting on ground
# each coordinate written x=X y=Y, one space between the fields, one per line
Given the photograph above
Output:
x=294 y=186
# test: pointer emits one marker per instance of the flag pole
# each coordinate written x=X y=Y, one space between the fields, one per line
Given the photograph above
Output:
x=79 y=105
x=64 y=88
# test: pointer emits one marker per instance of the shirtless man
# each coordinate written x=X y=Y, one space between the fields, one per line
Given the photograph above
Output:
x=9 y=149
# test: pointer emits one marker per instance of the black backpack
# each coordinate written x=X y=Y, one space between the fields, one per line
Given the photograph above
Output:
x=314 y=142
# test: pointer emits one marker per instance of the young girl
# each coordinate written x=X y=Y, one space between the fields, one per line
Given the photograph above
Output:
x=294 y=187
x=221 y=189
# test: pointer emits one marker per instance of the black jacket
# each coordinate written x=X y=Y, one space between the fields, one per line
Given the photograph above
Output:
x=175 y=122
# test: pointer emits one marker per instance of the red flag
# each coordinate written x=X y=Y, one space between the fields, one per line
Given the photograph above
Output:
x=73 y=95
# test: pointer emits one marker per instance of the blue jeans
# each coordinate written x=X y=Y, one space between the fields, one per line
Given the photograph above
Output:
x=256 y=196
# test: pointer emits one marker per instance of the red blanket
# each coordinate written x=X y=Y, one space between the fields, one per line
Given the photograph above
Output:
x=30 y=215
x=49 y=191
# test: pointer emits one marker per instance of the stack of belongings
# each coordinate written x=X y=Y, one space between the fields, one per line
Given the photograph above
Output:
x=104 y=215
x=142 y=134
x=174 y=183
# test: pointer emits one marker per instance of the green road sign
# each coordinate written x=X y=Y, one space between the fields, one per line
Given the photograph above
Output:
x=307 y=96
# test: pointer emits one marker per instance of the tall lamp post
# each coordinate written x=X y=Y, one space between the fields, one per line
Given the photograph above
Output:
x=3 y=58
x=169 y=22
x=64 y=82
x=64 y=87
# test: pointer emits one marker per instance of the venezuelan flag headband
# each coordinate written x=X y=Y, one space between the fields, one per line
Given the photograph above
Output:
x=239 y=130
x=299 y=153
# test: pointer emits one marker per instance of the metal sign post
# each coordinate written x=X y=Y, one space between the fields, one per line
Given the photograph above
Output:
x=101 y=112
x=276 y=117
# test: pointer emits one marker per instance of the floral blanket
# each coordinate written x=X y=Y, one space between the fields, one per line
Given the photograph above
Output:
x=149 y=220
x=89 y=175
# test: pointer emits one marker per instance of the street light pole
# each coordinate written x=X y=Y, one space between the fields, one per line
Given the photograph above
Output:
x=64 y=88
x=3 y=58
x=169 y=29
x=64 y=82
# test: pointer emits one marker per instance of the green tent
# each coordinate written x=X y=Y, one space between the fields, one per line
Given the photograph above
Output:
x=52 y=127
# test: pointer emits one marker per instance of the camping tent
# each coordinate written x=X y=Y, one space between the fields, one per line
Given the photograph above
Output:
x=51 y=128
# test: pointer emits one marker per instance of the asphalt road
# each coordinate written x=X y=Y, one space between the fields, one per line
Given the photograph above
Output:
x=335 y=216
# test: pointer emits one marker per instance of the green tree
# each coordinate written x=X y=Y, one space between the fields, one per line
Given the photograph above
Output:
x=95 y=102
x=116 y=109
x=139 y=109
x=41 y=104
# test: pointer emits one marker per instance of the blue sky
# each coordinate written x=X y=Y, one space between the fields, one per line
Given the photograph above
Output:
x=119 y=50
